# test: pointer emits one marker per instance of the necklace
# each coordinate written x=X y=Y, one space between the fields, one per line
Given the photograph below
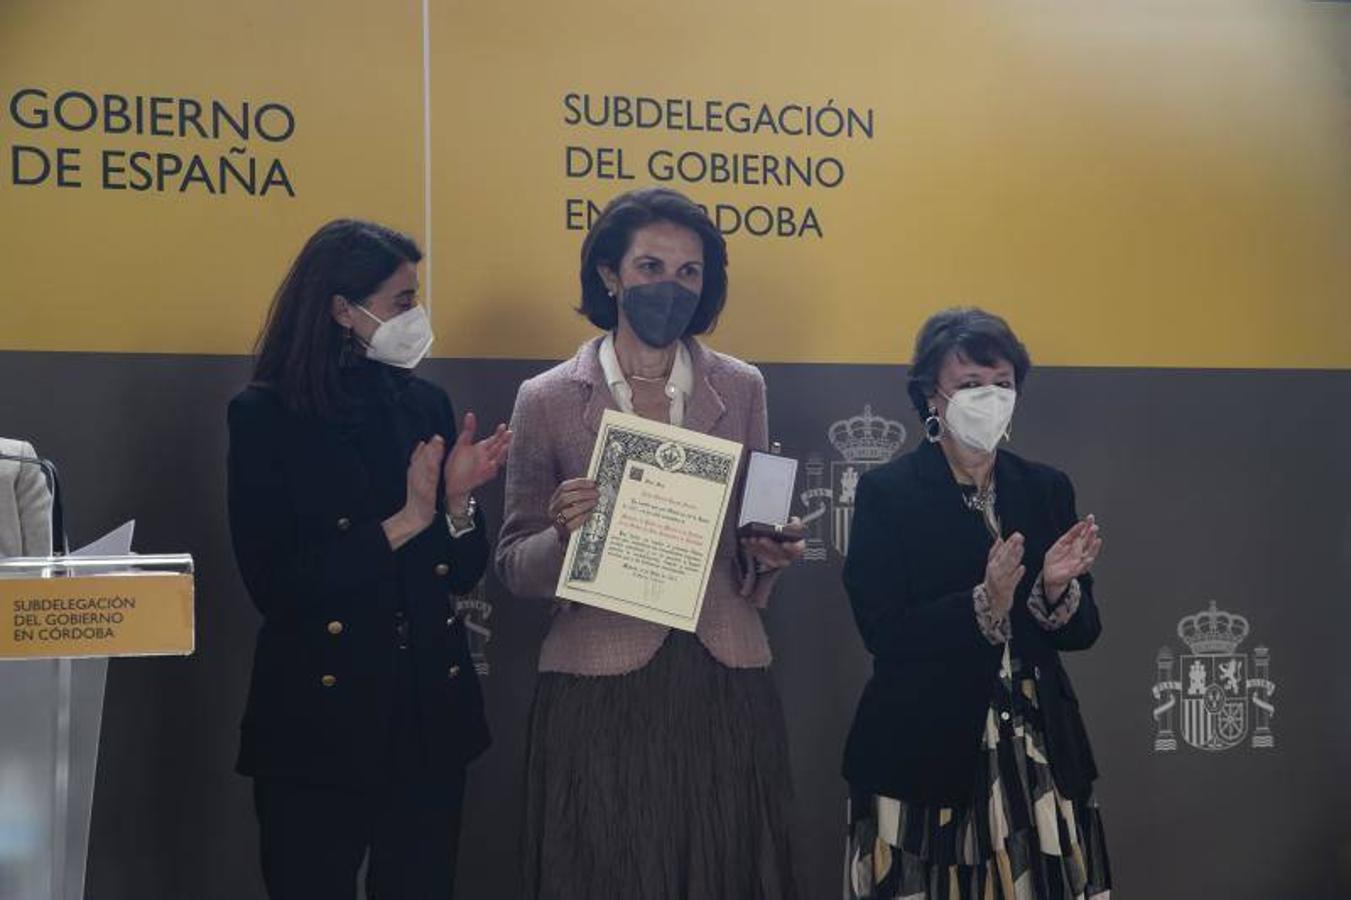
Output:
x=981 y=500
x=661 y=379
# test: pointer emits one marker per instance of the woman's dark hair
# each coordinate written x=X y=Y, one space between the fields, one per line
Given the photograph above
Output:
x=300 y=345
x=983 y=338
x=609 y=239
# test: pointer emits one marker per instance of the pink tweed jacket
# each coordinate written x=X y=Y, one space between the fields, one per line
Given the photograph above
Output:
x=555 y=422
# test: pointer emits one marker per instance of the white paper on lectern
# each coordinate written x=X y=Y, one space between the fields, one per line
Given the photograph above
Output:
x=768 y=495
x=115 y=543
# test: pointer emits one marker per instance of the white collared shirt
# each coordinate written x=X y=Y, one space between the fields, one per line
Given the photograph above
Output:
x=679 y=385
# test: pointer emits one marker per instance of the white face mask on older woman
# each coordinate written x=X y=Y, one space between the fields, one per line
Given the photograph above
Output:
x=979 y=417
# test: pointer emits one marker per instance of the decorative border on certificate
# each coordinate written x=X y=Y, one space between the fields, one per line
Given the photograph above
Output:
x=628 y=448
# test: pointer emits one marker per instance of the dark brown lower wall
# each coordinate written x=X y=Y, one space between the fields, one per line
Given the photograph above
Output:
x=1230 y=487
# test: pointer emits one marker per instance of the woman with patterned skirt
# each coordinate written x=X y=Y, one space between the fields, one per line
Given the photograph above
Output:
x=969 y=766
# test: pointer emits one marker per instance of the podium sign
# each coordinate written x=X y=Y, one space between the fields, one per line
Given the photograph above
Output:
x=56 y=610
x=125 y=614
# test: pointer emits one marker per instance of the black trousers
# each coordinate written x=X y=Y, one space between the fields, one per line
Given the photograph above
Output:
x=315 y=836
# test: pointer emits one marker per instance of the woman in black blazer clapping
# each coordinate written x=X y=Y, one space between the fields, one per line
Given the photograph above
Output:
x=353 y=520
x=969 y=767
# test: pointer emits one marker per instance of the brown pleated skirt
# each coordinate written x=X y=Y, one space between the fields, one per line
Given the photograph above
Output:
x=668 y=783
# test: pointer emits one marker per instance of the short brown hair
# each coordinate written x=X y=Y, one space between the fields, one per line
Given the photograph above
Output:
x=609 y=239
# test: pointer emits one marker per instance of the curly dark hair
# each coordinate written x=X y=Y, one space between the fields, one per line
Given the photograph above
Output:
x=982 y=337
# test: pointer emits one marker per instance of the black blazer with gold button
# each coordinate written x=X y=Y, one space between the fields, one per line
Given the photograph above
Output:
x=916 y=554
x=307 y=498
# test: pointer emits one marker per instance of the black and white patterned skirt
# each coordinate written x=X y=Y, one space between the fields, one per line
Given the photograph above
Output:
x=1018 y=838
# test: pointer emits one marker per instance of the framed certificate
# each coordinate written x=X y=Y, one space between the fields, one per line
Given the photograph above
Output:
x=648 y=548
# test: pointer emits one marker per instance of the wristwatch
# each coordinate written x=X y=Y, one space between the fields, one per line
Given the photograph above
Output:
x=463 y=524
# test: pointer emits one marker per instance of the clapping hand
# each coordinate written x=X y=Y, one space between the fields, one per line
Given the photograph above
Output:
x=470 y=465
x=1071 y=556
x=1004 y=569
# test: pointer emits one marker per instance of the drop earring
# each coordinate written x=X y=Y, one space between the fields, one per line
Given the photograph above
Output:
x=933 y=427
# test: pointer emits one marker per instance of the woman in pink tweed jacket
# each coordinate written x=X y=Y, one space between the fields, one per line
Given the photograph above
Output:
x=657 y=762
